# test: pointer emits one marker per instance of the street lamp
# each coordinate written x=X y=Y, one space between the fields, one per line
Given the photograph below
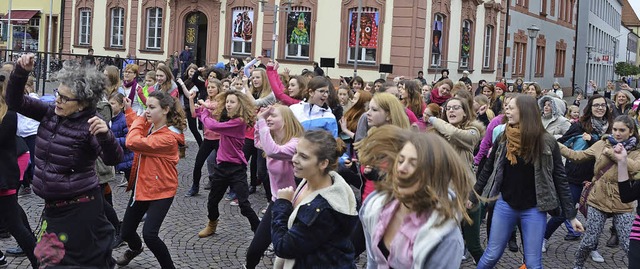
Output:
x=615 y=48
x=276 y=9
x=586 y=74
x=533 y=33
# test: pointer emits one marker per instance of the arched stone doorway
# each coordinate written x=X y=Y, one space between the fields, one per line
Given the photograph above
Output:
x=195 y=36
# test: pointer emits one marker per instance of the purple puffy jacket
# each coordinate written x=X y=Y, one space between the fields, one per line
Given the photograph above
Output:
x=65 y=151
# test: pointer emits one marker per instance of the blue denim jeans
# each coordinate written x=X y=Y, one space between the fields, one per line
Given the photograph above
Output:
x=555 y=222
x=504 y=219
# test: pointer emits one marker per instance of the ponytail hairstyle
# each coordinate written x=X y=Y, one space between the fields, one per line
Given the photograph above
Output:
x=218 y=85
x=176 y=116
x=326 y=147
x=246 y=109
x=118 y=97
x=4 y=80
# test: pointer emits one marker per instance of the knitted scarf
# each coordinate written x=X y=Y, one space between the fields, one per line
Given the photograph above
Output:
x=513 y=143
x=599 y=125
x=628 y=144
x=436 y=98
x=134 y=88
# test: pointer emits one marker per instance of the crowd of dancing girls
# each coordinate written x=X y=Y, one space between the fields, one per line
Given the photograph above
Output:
x=404 y=171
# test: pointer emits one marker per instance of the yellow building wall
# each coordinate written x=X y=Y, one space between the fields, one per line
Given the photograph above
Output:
x=44 y=7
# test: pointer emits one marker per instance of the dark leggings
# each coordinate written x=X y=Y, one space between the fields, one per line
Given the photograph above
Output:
x=235 y=176
x=261 y=240
x=634 y=254
x=250 y=151
x=18 y=225
x=193 y=126
x=204 y=151
x=109 y=212
x=262 y=173
x=471 y=234
x=156 y=211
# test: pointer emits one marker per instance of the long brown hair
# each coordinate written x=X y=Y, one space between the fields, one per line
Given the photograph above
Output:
x=441 y=169
x=585 y=120
x=176 y=116
x=414 y=99
x=166 y=86
x=531 y=128
x=265 y=89
x=113 y=77
x=353 y=114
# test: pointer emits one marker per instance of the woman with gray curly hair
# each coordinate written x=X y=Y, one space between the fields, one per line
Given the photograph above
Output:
x=70 y=138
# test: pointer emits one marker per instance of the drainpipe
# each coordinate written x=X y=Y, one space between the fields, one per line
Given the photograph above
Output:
x=504 y=46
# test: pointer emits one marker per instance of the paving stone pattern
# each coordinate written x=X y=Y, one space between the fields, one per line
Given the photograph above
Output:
x=227 y=248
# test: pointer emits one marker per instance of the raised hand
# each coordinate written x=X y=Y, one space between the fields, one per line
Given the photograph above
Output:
x=27 y=61
x=97 y=126
x=127 y=103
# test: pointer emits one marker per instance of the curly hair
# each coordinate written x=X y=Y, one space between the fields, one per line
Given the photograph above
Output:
x=246 y=108
x=176 y=116
x=86 y=82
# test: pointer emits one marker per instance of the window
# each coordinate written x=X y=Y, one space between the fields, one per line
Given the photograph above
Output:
x=84 y=33
x=488 y=39
x=540 y=57
x=117 y=27
x=519 y=58
x=368 y=42
x=436 y=44
x=154 y=28
x=3 y=35
x=561 y=56
x=465 y=44
x=298 y=33
x=522 y=3
x=241 y=31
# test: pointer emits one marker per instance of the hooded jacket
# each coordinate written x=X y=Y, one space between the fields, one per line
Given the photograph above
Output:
x=120 y=131
x=315 y=234
x=557 y=125
x=464 y=140
x=604 y=194
x=436 y=246
x=65 y=152
x=156 y=156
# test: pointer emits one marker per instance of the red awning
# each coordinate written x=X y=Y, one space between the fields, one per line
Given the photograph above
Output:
x=20 y=16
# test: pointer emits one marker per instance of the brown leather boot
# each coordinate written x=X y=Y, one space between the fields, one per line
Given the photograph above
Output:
x=209 y=229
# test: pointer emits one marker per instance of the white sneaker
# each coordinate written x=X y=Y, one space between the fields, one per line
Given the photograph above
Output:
x=544 y=245
x=596 y=257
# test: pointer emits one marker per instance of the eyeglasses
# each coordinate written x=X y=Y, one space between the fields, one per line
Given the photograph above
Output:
x=454 y=107
x=129 y=72
x=63 y=99
x=323 y=92
x=599 y=105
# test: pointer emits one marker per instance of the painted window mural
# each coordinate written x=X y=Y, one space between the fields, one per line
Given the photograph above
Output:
x=242 y=30
x=368 y=43
x=436 y=43
x=298 y=33
x=465 y=44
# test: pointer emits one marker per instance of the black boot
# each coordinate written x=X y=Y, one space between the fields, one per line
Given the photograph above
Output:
x=513 y=243
x=193 y=191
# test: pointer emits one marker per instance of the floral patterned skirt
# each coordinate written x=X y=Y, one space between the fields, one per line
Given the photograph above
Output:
x=75 y=233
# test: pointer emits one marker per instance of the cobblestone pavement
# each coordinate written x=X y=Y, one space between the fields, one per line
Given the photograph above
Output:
x=227 y=248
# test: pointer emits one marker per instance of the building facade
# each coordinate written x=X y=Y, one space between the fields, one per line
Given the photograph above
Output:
x=547 y=57
x=462 y=34
x=600 y=21
x=29 y=25
x=632 y=22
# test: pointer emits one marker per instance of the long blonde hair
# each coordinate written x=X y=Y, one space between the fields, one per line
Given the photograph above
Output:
x=394 y=108
x=441 y=170
x=265 y=89
x=291 y=126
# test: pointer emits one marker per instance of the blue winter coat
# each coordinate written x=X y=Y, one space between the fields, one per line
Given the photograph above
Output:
x=120 y=131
